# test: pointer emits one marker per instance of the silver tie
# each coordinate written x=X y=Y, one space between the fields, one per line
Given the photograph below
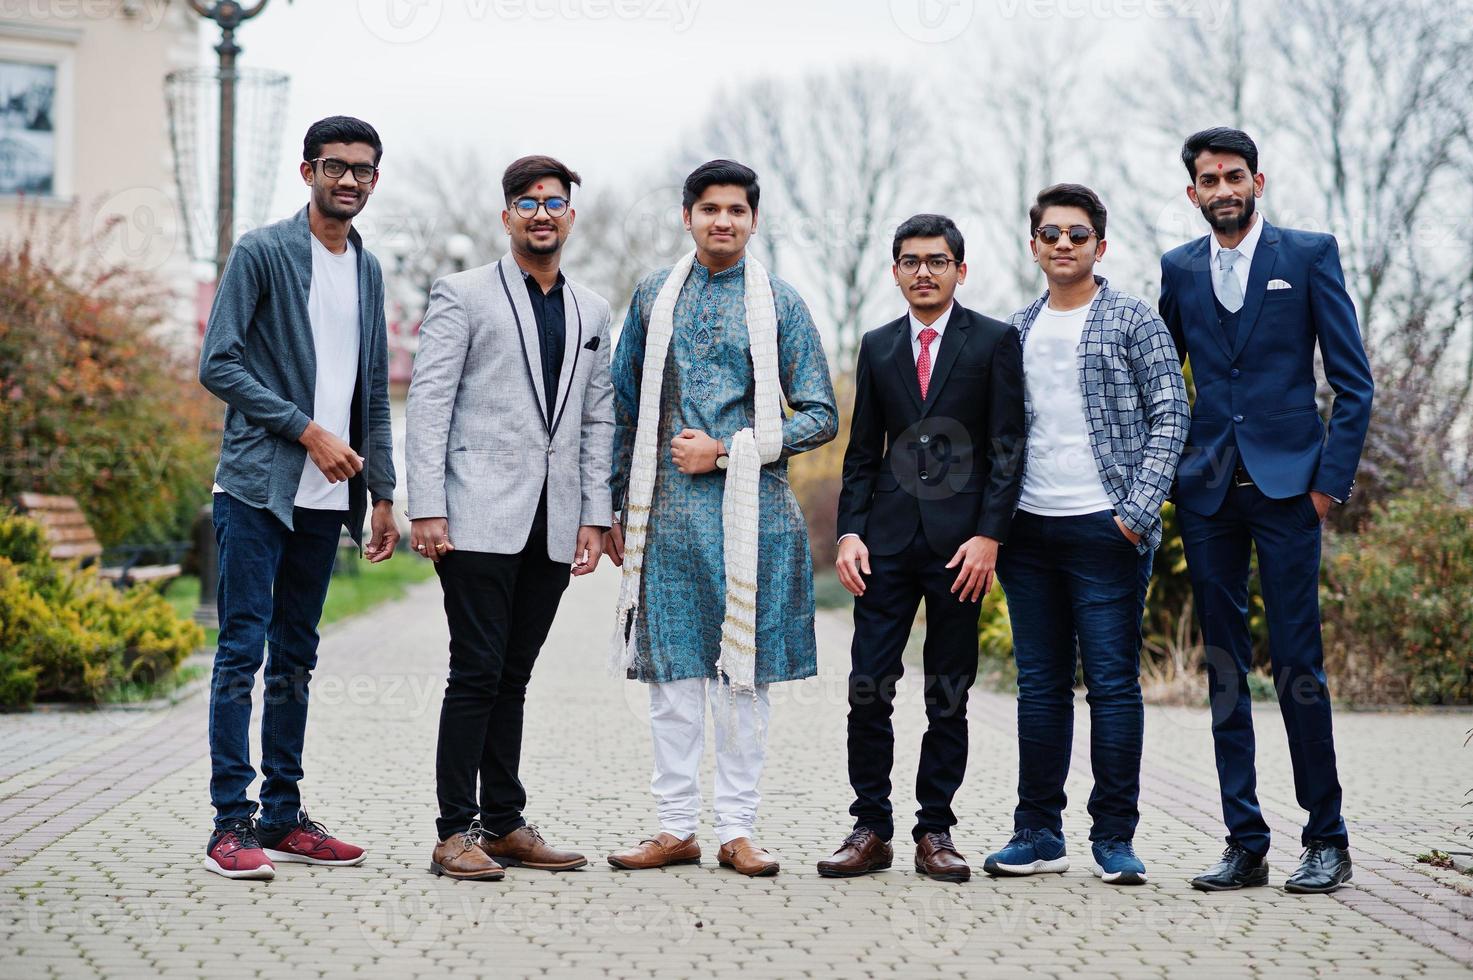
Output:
x=1225 y=281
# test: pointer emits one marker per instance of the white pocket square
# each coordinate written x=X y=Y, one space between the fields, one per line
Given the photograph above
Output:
x=1278 y=284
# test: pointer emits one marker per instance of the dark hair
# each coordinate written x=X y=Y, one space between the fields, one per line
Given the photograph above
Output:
x=930 y=226
x=1219 y=139
x=340 y=129
x=522 y=172
x=1069 y=196
x=715 y=173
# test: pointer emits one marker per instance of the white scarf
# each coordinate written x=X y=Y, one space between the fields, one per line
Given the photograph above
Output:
x=737 y=662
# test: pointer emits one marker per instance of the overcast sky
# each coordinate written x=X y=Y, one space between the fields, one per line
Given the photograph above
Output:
x=609 y=85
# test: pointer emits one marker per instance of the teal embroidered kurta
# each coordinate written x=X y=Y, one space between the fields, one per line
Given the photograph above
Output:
x=708 y=386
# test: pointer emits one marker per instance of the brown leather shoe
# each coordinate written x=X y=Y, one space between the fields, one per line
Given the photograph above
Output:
x=460 y=856
x=656 y=852
x=525 y=846
x=937 y=857
x=744 y=856
x=861 y=853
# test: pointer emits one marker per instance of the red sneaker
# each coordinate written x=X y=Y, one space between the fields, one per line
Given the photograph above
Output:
x=235 y=852
x=310 y=843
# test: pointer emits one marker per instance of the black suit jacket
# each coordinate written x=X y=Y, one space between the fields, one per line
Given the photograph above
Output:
x=952 y=462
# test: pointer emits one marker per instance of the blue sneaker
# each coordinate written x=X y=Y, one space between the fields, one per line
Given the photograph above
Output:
x=1116 y=863
x=1030 y=852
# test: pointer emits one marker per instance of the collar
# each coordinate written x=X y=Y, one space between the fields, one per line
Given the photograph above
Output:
x=1246 y=247
x=700 y=271
x=939 y=326
x=557 y=283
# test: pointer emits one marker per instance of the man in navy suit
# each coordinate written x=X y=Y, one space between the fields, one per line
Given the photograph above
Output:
x=1247 y=304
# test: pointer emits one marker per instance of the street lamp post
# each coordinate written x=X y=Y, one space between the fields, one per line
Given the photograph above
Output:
x=229 y=15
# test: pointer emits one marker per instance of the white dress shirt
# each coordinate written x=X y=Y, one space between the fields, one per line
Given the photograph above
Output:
x=1244 y=262
x=939 y=326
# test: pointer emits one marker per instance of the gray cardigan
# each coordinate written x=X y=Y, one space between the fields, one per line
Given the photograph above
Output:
x=258 y=358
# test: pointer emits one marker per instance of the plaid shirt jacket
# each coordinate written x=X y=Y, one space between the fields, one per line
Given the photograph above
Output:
x=1135 y=401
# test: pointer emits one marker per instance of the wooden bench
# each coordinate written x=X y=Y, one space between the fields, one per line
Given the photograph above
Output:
x=72 y=539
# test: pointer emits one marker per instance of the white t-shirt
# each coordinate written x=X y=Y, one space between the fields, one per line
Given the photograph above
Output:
x=1060 y=478
x=332 y=307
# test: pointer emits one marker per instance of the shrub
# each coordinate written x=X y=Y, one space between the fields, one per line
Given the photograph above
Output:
x=1397 y=602
x=94 y=404
x=65 y=635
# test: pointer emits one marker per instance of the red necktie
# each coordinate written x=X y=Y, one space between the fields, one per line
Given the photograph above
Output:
x=923 y=362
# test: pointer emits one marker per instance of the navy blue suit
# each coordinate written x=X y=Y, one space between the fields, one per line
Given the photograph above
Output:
x=1255 y=416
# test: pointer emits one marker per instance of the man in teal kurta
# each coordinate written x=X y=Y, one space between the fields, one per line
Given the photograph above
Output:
x=711 y=396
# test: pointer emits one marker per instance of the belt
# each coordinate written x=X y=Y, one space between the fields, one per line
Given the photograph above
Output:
x=1241 y=477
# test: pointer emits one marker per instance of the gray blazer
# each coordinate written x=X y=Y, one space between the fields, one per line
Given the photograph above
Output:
x=258 y=358
x=478 y=445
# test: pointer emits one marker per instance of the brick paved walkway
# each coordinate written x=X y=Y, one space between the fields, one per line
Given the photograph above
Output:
x=103 y=816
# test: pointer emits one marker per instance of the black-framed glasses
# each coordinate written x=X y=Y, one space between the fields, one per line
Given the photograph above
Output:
x=937 y=264
x=527 y=207
x=1050 y=234
x=334 y=169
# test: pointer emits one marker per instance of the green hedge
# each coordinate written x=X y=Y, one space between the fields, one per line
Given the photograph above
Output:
x=66 y=635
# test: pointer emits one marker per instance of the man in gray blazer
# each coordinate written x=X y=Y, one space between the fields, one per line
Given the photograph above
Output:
x=509 y=439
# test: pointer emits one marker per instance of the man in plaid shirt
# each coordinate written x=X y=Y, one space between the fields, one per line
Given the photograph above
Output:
x=1106 y=413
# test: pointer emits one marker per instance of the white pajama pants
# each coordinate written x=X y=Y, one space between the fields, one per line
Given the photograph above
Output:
x=678 y=726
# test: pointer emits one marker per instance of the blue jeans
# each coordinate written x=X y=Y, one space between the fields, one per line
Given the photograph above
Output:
x=272 y=585
x=1076 y=584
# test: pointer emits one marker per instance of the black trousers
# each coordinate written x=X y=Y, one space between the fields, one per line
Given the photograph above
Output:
x=500 y=608
x=882 y=622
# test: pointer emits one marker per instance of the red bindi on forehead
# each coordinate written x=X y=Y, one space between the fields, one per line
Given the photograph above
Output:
x=1219 y=167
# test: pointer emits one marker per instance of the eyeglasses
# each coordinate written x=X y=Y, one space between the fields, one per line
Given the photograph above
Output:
x=527 y=207
x=937 y=264
x=1050 y=234
x=333 y=168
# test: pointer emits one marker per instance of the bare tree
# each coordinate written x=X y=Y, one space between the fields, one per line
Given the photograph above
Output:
x=835 y=151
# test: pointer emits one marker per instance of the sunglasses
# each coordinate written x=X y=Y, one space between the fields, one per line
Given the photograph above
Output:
x=527 y=207
x=1050 y=234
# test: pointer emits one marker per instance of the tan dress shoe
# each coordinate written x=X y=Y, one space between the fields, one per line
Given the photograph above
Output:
x=460 y=856
x=657 y=852
x=525 y=846
x=861 y=853
x=749 y=859
x=937 y=857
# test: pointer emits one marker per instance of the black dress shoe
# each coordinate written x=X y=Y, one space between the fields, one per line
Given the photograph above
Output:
x=1323 y=868
x=1238 y=868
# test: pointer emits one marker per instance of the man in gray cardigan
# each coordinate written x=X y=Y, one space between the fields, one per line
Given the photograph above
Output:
x=297 y=349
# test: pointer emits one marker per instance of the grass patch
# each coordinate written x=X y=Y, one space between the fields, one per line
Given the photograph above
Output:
x=136 y=691
x=828 y=592
x=351 y=592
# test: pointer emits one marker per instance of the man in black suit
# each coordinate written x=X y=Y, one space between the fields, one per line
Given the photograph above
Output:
x=931 y=479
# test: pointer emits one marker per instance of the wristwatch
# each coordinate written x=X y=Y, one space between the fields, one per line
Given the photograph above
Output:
x=722 y=459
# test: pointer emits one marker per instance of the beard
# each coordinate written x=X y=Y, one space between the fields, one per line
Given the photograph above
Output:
x=1228 y=224
x=329 y=206
x=549 y=249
